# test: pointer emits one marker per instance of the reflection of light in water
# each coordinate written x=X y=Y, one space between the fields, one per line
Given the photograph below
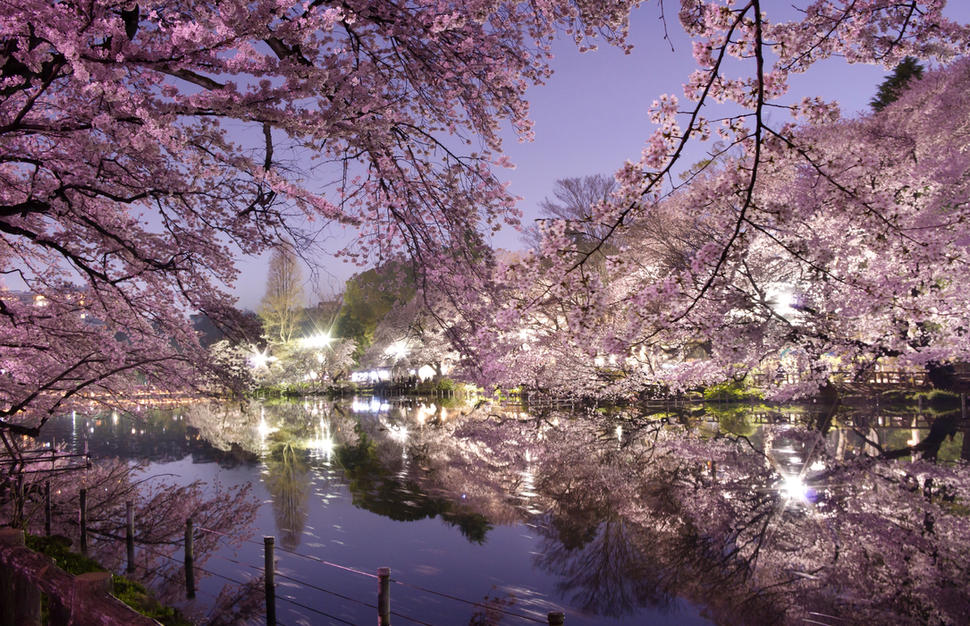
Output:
x=323 y=445
x=619 y=433
x=527 y=486
x=114 y=417
x=422 y=412
x=914 y=437
x=372 y=405
x=263 y=429
x=399 y=433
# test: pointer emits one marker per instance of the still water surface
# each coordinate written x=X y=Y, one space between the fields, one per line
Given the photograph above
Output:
x=689 y=515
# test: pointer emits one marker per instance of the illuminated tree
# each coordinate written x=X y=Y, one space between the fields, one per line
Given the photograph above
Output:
x=282 y=305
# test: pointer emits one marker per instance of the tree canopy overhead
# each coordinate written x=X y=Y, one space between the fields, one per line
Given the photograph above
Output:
x=142 y=145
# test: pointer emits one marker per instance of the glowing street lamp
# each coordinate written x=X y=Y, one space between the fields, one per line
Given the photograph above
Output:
x=316 y=341
x=258 y=359
x=397 y=350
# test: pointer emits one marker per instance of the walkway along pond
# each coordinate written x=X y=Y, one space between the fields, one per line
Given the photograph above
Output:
x=692 y=514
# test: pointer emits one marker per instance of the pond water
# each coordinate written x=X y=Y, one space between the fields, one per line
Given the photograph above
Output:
x=675 y=515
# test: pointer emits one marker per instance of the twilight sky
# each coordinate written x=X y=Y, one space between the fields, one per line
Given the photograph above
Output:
x=591 y=116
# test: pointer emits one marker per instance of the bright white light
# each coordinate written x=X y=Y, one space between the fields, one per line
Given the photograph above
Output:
x=619 y=433
x=399 y=433
x=426 y=372
x=258 y=359
x=397 y=350
x=794 y=488
x=782 y=299
x=324 y=443
x=264 y=429
x=317 y=341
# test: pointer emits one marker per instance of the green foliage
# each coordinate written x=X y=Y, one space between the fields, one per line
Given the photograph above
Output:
x=137 y=597
x=734 y=420
x=128 y=591
x=732 y=391
x=893 y=86
x=378 y=489
x=58 y=549
x=368 y=297
x=938 y=398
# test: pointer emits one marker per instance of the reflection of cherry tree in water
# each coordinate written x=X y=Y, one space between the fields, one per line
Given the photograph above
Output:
x=615 y=532
x=288 y=481
x=638 y=515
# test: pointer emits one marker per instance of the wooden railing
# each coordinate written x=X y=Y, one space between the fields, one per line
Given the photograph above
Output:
x=84 y=599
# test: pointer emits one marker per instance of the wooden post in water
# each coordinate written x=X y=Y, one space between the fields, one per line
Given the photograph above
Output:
x=189 y=558
x=130 y=534
x=269 y=577
x=384 y=596
x=84 y=521
x=47 y=508
x=556 y=618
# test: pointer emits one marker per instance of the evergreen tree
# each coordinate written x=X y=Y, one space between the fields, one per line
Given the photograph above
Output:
x=891 y=88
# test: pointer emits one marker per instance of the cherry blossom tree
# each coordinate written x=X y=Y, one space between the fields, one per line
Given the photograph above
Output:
x=145 y=144
x=846 y=245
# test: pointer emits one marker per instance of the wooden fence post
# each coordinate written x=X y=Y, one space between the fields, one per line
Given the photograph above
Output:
x=189 y=558
x=384 y=596
x=269 y=577
x=130 y=534
x=84 y=521
x=47 y=508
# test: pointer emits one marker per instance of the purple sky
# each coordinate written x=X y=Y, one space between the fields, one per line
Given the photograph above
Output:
x=591 y=116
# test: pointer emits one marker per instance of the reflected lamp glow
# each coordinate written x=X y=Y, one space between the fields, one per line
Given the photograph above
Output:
x=324 y=443
x=399 y=433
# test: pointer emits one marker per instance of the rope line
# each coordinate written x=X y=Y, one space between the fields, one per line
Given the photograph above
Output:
x=351 y=599
x=240 y=563
x=197 y=567
x=410 y=619
x=313 y=610
x=473 y=603
x=333 y=593
x=319 y=560
x=369 y=575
